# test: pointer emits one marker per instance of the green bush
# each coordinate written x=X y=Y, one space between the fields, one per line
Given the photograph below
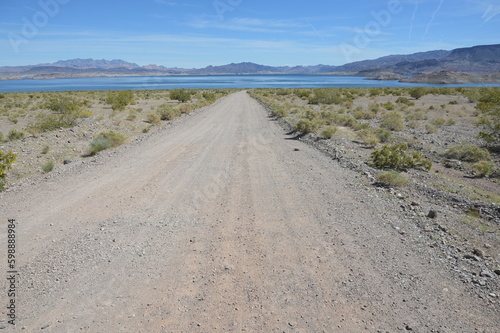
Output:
x=106 y=140
x=431 y=128
x=325 y=96
x=383 y=135
x=404 y=100
x=329 y=131
x=392 y=179
x=306 y=126
x=45 y=150
x=417 y=92
x=279 y=112
x=209 y=96
x=396 y=157
x=119 y=100
x=153 y=118
x=393 y=121
x=48 y=167
x=484 y=168
x=489 y=108
x=368 y=137
x=168 y=112
x=388 y=106
x=15 y=135
x=468 y=152
x=181 y=95
x=6 y=161
x=65 y=113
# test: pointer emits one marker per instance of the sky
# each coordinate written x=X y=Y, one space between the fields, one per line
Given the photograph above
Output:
x=198 y=33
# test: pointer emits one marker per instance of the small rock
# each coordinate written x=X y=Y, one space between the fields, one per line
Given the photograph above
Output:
x=478 y=253
x=471 y=257
x=3 y=326
x=432 y=214
x=497 y=271
x=486 y=273
x=68 y=161
x=493 y=295
x=227 y=268
x=44 y=326
x=415 y=204
x=296 y=149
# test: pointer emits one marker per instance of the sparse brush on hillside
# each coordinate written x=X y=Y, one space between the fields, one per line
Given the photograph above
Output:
x=6 y=161
x=467 y=152
x=65 y=112
x=397 y=157
x=119 y=100
x=489 y=108
x=106 y=140
x=181 y=95
x=391 y=179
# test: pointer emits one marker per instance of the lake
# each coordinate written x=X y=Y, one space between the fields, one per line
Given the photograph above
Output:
x=206 y=82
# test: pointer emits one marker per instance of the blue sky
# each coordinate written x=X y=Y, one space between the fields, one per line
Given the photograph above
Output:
x=215 y=32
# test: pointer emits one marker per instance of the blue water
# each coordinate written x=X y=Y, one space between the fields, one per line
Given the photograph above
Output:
x=206 y=82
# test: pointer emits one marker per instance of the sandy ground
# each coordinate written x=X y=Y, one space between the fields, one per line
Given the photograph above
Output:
x=223 y=223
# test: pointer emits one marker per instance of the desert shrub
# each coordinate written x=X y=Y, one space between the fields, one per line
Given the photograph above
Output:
x=396 y=157
x=168 y=112
x=153 y=118
x=489 y=108
x=6 y=161
x=413 y=124
x=209 y=96
x=450 y=122
x=305 y=126
x=393 y=121
x=302 y=93
x=453 y=103
x=368 y=137
x=383 y=135
x=438 y=122
x=468 y=152
x=132 y=115
x=391 y=179
x=282 y=92
x=65 y=113
x=360 y=113
x=279 y=112
x=119 y=100
x=48 y=166
x=45 y=150
x=376 y=92
x=388 y=106
x=106 y=140
x=404 y=100
x=325 y=96
x=483 y=168
x=328 y=132
x=417 y=92
x=181 y=95
x=2 y=139
x=15 y=135
x=431 y=129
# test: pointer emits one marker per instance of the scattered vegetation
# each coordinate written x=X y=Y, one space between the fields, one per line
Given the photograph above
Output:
x=489 y=108
x=392 y=179
x=397 y=157
x=15 y=135
x=328 y=132
x=484 y=168
x=181 y=95
x=106 y=140
x=467 y=152
x=6 y=161
x=48 y=166
x=119 y=100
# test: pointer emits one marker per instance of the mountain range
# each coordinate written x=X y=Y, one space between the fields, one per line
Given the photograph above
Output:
x=484 y=59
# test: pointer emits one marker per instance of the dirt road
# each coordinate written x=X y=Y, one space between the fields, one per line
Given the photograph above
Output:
x=223 y=223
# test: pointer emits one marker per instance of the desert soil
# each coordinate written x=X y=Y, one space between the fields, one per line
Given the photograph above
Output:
x=222 y=222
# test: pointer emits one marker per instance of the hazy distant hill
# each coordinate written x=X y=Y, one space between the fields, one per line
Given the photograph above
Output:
x=91 y=63
x=391 y=60
x=483 y=59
